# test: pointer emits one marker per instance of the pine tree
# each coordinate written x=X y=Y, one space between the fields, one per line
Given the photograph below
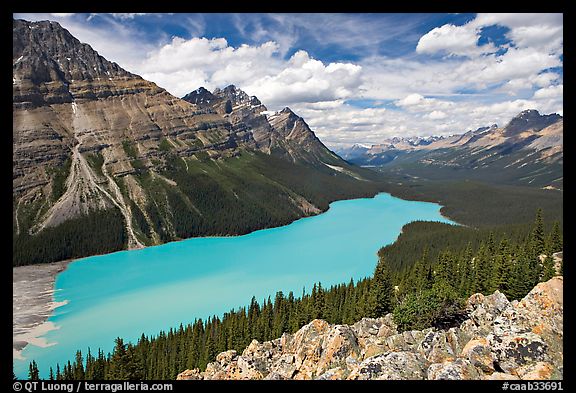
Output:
x=79 y=367
x=381 y=291
x=118 y=361
x=520 y=280
x=549 y=269
x=33 y=373
x=555 y=243
x=480 y=274
x=51 y=376
x=537 y=235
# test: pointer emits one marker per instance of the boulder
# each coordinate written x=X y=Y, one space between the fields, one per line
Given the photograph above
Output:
x=435 y=348
x=537 y=371
x=479 y=354
x=456 y=370
x=516 y=350
x=193 y=374
x=391 y=366
x=338 y=344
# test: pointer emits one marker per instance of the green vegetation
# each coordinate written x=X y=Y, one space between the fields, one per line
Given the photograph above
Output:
x=430 y=292
x=96 y=160
x=59 y=176
x=238 y=195
x=165 y=145
x=478 y=204
x=72 y=239
x=129 y=149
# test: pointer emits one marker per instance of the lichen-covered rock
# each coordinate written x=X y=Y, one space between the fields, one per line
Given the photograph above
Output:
x=225 y=358
x=391 y=366
x=538 y=371
x=455 y=370
x=336 y=373
x=479 y=353
x=194 y=374
x=407 y=340
x=435 y=348
x=339 y=344
x=283 y=368
x=543 y=308
x=498 y=376
x=483 y=310
x=517 y=350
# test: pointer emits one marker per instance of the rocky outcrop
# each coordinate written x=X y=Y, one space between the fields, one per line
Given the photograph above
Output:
x=498 y=340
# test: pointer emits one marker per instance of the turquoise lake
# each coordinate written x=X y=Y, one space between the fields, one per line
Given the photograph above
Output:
x=127 y=293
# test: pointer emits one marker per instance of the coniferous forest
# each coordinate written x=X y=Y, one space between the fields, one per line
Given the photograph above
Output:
x=429 y=289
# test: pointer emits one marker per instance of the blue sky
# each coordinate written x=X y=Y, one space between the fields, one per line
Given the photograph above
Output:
x=355 y=78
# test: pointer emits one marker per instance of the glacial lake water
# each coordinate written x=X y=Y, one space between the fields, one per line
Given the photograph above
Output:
x=127 y=293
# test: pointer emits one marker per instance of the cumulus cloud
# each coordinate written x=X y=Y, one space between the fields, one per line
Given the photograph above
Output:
x=436 y=115
x=454 y=40
x=550 y=92
x=258 y=70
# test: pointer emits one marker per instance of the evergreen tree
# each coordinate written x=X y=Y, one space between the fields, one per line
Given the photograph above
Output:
x=118 y=361
x=555 y=243
x=549 y=269
x=79 y=366
x=520 y=280
x=381 y=291
x=482 y=271
x=33 y=373
x=537 y=236
x=51 y=376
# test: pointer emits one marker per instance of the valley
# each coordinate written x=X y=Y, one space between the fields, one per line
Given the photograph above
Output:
x=159 y=236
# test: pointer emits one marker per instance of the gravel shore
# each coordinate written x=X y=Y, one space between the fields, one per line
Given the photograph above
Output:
x=32 y=304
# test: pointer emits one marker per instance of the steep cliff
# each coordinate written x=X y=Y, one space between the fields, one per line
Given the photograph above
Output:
x=498 y=340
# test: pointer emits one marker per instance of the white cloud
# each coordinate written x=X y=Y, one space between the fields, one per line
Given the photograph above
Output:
x=550 y=92
x=412 y=99
x=453 y=40
x=436 y=115
x=128 y=15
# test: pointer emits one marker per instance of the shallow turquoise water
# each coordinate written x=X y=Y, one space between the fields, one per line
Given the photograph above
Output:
x=127 y=293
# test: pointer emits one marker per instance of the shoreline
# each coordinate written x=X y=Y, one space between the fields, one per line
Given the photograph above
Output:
x=33 y=303
x=34 y=288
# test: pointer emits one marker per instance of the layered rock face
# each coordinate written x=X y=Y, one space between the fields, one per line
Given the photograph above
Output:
x=86 y=132
x=498 y=340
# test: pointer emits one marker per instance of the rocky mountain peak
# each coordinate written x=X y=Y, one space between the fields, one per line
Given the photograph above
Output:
x=54 y=54
x=530 y=119
x=200 y=96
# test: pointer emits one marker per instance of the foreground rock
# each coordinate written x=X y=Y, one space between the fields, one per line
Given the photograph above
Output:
x=499 y=340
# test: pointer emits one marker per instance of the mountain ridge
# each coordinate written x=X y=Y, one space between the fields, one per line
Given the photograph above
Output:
x=93 y=142
x=528 y=150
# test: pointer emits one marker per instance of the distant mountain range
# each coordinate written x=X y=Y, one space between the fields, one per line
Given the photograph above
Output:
x=104 y=159
x=527 y=151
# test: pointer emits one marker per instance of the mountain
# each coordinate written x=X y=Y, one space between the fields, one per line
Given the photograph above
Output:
x=527 y=151
x=105 y=160
x=498 y=340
